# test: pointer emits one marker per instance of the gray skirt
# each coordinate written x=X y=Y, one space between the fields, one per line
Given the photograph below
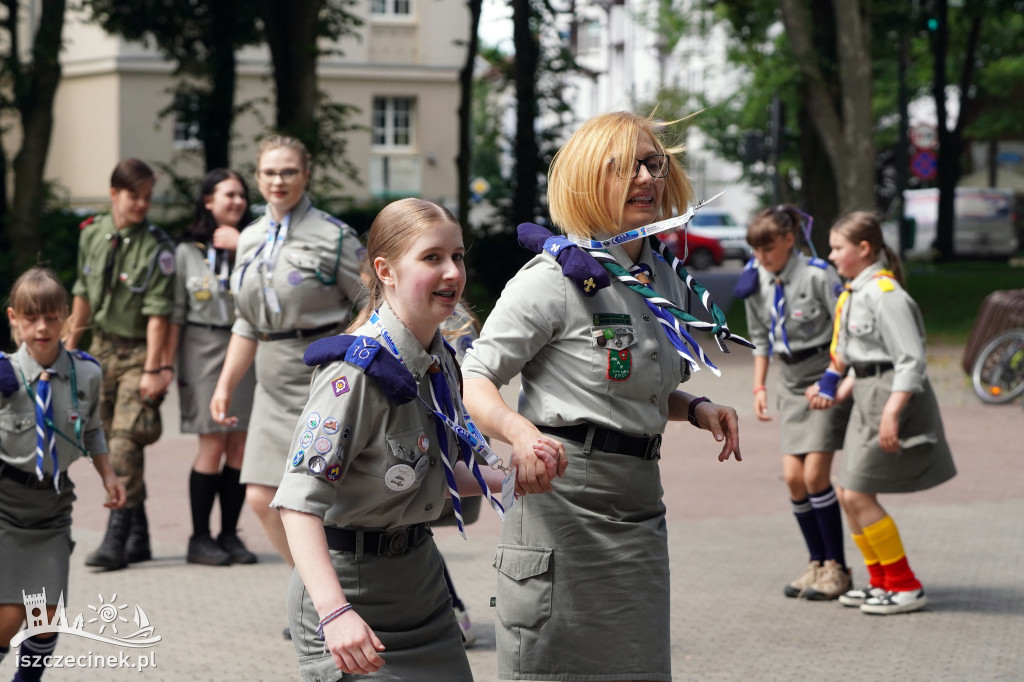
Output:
x=200 y=359
x=803 y=429
x=282 y=389
x=924 y=459
x=405 y=601
x=583 y=575
x=35 y=541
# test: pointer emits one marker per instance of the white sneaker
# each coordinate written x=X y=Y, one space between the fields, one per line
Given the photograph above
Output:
x=858 y=596
x=895 y=602
x=468 y=636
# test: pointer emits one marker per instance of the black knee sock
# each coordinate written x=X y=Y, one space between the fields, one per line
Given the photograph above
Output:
x=30 y=649
x=804 y=514
x=4 y=650
x=232 y=497
x=202 y=490
x=830 y=523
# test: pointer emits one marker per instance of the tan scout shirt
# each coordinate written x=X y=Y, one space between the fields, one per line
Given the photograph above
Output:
x=545 y=328
x=811 y=294
x=141 y=280
x=882 y=323
x=381 y=463
x=305 y=300
x=197 y=293
x=18 y=411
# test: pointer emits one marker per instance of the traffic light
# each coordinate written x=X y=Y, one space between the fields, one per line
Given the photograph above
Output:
x=753 y=148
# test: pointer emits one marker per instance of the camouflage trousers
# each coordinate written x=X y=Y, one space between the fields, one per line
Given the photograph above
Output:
x=128 y=422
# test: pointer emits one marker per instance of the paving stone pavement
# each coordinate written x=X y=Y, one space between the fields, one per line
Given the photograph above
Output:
x=733 y=544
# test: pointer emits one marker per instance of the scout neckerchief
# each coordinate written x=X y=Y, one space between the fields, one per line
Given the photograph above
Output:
x=778 y=317
x=45 y=426
x=837 y=323
x=220 y=276
x=470 y=439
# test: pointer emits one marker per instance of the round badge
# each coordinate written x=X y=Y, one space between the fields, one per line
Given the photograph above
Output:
x=330 y=425
x=400 y=477
x=295 y=278
x=323 y=445
x=317 y=464
x=422 y=464
x=423 y=442
x=346 y=432
x=313 y=420
x=307 y=438
x=333 y=472
x=339 y=454
x=297 y=458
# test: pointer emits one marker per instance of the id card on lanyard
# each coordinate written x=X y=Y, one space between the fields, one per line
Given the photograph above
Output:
x=275 y=242
x=221 y=277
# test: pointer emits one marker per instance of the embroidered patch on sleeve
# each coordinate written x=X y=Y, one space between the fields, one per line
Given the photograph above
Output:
x=340 y=385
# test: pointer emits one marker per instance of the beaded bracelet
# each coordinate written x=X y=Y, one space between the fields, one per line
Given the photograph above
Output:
x=347 y=606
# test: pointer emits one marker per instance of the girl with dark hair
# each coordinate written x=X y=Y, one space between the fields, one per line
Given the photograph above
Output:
x=204 y=310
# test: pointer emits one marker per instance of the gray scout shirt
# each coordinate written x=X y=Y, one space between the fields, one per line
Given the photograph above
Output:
x=811 y=288
x=602 y=359
x=358 y=460
x=18 y=412
x=882 y=323
x=312 y=285
x=198 y=297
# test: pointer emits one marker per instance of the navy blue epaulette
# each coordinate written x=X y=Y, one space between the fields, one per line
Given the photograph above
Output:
x=82 y=355
x=395 y=379
x=586 y=273
x=819 y=263
x=160 y=235
x=8 y=380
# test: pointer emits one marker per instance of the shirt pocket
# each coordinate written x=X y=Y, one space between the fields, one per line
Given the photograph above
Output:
x=861 y=328
x=305 y=266
x=612 y=351
x=523 y=598
x=808 y=316
x=18 y=432
x=408 y=460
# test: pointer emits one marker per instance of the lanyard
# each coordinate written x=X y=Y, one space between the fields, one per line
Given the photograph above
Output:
x=645 y=231
x=275 y=239
x=388 y=341
x=74 y=406
x=221 y=277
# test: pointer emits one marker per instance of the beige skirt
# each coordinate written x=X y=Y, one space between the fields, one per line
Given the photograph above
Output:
x=803 y=429
x=200 y=359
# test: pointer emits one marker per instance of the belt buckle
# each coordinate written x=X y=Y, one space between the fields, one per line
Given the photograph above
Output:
x=653 y=448
x=393 y=544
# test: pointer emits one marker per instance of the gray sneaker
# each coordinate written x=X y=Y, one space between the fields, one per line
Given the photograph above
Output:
x=832 y=580
x=859 y=595
x=802 y=581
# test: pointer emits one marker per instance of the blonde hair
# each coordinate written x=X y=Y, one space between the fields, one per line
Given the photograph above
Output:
x=863 y=226
x=38 y=291
x=394 y=229
x=275 y=141
x=580 y=169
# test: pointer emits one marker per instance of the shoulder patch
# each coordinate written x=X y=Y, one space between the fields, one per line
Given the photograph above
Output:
x=885 y=284
x=587 y=274
x=87 y=222
x=368 y=355
x=165 y=259
x=747 y=283
x=8 y=380
x=82 y=355
x=818 y=263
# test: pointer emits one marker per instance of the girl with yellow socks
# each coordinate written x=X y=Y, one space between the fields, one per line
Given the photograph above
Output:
x=895 y=442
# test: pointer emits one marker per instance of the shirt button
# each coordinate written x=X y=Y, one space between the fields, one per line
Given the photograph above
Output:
x=654 y=355
x=417 y=376
x=433 y=461
x=653 y=399
x=646 y=317
x=428 y=507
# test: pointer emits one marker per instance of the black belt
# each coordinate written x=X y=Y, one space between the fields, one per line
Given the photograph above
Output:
x=209 y=327
x=297 y=333
x=609 y=441
x=379 y=543
x=801 y=355
x=29 y=480
x=870 y=369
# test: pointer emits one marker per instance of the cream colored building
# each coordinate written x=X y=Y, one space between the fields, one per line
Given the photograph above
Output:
x=402 y=75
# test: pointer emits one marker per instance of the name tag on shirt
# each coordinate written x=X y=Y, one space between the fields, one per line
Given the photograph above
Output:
x=271 y=296
x=508 y=489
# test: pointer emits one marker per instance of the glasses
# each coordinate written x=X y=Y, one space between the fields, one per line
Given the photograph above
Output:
x=287 y=175
x=657 y=165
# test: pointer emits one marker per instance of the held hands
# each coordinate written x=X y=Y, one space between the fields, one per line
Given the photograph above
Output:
x=538 y=459
x=724 y=425
x=353 y=645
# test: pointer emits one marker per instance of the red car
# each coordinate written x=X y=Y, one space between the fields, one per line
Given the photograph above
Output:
x=703 y=251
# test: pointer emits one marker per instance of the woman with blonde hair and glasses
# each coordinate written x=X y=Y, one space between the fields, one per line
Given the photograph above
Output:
x=296 y=278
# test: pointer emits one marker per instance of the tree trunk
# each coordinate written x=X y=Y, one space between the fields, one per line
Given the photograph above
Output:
x=818 y=186
x=291 y=29
x=220 y=101
x=527 y=57
x=465 y=157
x=34 y=97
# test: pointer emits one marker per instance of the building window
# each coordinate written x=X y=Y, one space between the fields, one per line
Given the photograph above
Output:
x=186 y=134
x=392 y=122
x=391 y=7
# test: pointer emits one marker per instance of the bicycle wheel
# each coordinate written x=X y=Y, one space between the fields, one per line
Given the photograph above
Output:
x=998 y=375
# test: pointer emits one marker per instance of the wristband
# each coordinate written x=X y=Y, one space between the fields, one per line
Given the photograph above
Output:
x=169 y=368
x=759 y=388
x=828 y=383
x=153 y=371
x=692 y=412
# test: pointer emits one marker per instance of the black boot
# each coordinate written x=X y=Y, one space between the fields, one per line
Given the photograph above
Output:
x=137 y=549
x=110 y=554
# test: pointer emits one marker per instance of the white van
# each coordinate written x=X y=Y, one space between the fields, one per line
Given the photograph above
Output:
x=985 y=222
